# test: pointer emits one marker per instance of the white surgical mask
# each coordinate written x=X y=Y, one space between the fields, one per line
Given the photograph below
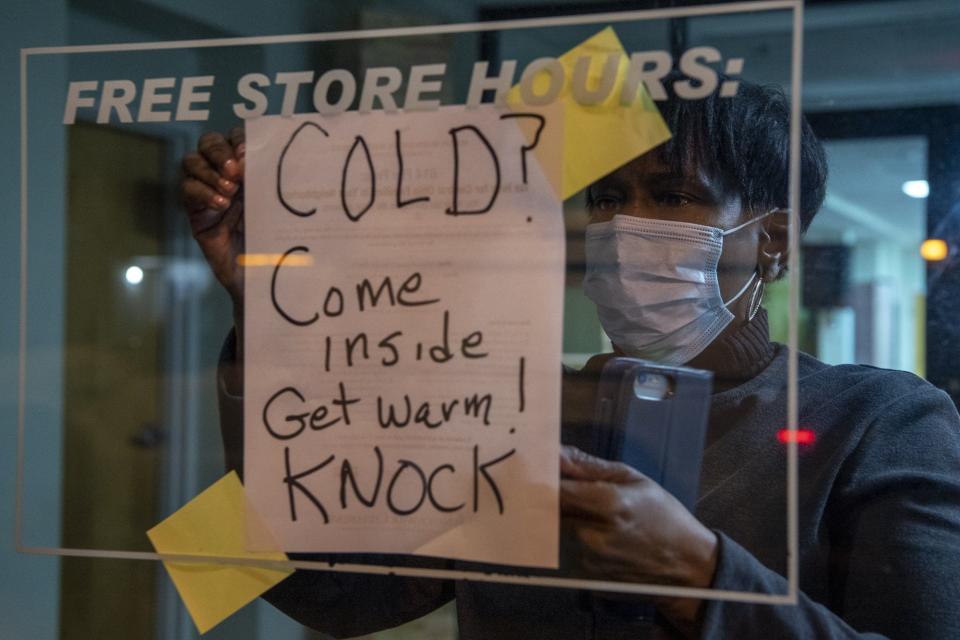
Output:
x=655 y=285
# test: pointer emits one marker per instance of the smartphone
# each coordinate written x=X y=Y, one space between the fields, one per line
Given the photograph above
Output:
x=653 y=417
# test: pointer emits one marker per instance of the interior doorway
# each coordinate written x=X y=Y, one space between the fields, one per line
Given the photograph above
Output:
x=113 y=387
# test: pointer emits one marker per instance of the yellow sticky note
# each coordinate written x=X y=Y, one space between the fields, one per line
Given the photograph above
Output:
x=597 y=138
x=216 y=523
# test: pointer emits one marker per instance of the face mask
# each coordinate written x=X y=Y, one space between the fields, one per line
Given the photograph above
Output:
x=655 y=285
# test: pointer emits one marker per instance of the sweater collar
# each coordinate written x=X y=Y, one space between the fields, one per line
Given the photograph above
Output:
x=744 y=353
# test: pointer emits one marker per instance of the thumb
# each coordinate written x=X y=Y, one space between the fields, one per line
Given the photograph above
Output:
x=580 y=465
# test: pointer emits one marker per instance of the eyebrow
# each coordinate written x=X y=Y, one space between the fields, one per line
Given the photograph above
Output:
x=673 y=178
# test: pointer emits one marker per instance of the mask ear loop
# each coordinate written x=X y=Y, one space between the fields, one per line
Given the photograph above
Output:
x=743 y=289
x=758 y=289
x=749 y=222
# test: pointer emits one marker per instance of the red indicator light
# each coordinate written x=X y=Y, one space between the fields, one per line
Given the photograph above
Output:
x=800 y=436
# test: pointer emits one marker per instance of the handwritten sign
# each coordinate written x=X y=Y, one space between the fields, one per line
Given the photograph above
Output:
x=403 y=341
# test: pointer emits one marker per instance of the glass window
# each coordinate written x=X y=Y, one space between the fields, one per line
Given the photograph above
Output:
x=126 y=322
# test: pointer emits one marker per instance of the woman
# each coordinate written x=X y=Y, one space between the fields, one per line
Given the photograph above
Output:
x=680 y=246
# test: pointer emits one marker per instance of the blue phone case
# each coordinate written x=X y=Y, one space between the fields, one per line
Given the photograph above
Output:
x=654 y=418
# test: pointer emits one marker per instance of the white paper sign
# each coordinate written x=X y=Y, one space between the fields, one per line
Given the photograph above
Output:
x=402 y=357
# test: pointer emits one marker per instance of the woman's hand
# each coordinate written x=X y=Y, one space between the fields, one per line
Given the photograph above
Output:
x=629 y=529
x=212 y=191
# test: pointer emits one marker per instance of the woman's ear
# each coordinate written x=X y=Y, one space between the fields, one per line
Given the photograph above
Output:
x=773 y=247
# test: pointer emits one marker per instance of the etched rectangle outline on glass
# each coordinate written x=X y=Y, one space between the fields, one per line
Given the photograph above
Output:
x=796 y=69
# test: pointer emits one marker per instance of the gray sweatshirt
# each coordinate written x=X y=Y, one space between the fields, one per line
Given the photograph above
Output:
x=879 y=522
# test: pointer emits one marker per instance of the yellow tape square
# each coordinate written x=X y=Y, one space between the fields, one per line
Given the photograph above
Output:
x=598 y=138
x=216 y=523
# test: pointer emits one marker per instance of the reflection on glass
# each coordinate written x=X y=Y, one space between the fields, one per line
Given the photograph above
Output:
x=145 y=319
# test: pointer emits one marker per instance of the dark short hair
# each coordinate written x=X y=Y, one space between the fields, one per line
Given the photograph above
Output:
x=745 y=142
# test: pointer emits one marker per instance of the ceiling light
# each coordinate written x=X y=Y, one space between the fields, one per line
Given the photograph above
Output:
x=133 y=275
x=934 y=249
x=916 y=188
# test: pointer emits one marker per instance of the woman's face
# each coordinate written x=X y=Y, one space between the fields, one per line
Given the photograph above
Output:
x=647 y=188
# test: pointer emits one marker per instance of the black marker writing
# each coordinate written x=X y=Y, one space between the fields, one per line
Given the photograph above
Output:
x=411 y=481
x=387 y=343
x=481 y=469
x=522 y=384
x=454 y=210
x=441 y=353
x=391 y=415
x=409 y=286
x=283 y=156
x=359 y=141
x=318 y=419
x=403 y=203
x=273 y=291
x=524 y=149
x=367 y=295
x=436 y=504
x=292 y=480
x=346 y=475
x=351 y=343
x=406 y=464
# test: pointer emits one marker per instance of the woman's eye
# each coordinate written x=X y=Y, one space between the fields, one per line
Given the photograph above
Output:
x=604 y=204
x=674 y=199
